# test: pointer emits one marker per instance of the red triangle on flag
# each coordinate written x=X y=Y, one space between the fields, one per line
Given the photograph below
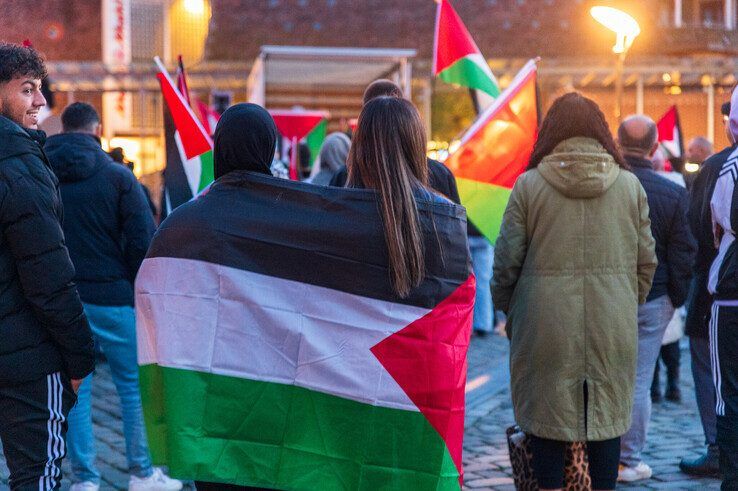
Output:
x=208 y=116
x=452 y=39
x=670 y=133
x=427 y=359
x=296 y=124
x=194 y=139
x=496 y=148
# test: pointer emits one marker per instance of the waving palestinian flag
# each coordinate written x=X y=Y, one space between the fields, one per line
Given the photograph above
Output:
x=670 y=133
x=189 y=147
x=495 y=151
x=289 y=364
x=456 y=57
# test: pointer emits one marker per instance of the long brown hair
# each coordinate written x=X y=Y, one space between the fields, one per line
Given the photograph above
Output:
x=388 y=154
x=574 y=115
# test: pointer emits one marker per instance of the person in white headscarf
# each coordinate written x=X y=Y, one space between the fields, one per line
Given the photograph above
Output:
x=332 y=156
x=723 y=285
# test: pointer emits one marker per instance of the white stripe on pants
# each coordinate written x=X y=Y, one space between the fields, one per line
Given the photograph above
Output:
x=55 y=443
x=715 y=359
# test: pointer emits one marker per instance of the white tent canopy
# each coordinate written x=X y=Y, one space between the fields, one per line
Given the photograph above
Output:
x=295 y=66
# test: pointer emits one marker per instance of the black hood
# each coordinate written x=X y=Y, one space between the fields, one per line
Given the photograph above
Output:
x=76 y=156
x=15 y=140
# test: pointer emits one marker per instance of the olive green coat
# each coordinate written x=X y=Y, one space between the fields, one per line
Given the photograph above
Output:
x=574 y=258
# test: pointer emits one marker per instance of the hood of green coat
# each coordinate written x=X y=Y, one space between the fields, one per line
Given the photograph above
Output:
x=579 y=168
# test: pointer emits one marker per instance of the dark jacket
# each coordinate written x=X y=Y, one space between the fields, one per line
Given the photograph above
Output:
x=109 y=223
x=675 y=246
x=439 y=178
x=700 y=222
x=43 y=328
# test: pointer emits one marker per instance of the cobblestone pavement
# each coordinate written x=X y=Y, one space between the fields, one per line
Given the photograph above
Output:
x=675 y=431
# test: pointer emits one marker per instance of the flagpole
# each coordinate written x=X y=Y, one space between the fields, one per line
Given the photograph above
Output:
x=475 y=100
x=293 y=159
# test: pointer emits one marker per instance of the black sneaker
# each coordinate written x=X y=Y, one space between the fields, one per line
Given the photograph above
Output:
x=704 y=465
x=674 y=394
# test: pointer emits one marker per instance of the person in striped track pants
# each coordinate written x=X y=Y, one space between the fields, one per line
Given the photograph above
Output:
x=723 y=284
x=46 y=346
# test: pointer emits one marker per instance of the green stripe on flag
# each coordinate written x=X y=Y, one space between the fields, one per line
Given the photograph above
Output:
x=207 y=174
x=485 y=204
x=225 y=429
x=467 y=73
x=315 y=138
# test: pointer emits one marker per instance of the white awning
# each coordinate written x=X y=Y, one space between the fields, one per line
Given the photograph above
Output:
x=300 y=66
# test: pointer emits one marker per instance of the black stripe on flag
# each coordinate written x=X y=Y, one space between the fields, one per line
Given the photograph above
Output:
x=175 y=179
x=329 y=237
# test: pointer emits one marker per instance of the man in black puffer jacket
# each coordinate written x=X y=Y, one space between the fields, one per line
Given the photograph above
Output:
x=45 y=342
x=675 y=250
x=108 y=228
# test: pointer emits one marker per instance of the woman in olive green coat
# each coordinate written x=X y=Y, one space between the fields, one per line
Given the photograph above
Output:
x=574 y=258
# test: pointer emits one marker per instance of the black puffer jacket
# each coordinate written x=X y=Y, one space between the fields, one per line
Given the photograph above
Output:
x=43 y=328
x=700 y=221
x=108 y=222
x=675 y=246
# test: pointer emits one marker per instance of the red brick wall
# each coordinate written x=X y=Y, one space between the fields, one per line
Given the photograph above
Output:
x=502 y=28
x=60 y=29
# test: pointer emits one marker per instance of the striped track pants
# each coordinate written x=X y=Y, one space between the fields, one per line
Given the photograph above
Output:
x=724 y=359
x=33 y=424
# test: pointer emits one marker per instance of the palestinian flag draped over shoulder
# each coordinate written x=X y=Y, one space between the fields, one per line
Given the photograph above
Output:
x=495 y=151
x=272 y=352
x=456 y=58
x=670 y=133
x=189 y=147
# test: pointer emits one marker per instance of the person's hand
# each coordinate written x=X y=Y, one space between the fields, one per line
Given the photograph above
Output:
x=76 y=382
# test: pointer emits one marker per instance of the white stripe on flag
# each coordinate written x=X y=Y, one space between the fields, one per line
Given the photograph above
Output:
x=201 y=316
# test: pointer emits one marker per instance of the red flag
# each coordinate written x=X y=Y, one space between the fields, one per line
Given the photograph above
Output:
x=670 y=133
x=208 y=116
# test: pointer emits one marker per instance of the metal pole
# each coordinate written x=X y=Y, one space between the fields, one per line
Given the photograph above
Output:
x=619 y=67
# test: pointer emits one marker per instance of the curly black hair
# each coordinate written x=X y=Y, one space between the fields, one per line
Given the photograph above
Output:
x=19 y=61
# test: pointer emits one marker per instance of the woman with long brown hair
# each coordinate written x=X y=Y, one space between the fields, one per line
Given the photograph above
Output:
x=388 y=154
x=574 y=258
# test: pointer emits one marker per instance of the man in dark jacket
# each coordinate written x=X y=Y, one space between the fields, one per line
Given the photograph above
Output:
x=675 y=249
x=108 y=229
x=698 y=308
x=45 y=343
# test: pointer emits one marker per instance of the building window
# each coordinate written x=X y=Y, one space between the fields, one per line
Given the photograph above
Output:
x=147 y=29
x=189 y=20
x=711 y=13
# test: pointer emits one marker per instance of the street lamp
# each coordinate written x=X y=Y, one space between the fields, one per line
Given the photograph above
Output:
x=627 y=29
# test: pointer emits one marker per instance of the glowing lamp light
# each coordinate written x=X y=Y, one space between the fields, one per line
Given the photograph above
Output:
x=622 y=24
x=691 y=167
x=194 y=7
